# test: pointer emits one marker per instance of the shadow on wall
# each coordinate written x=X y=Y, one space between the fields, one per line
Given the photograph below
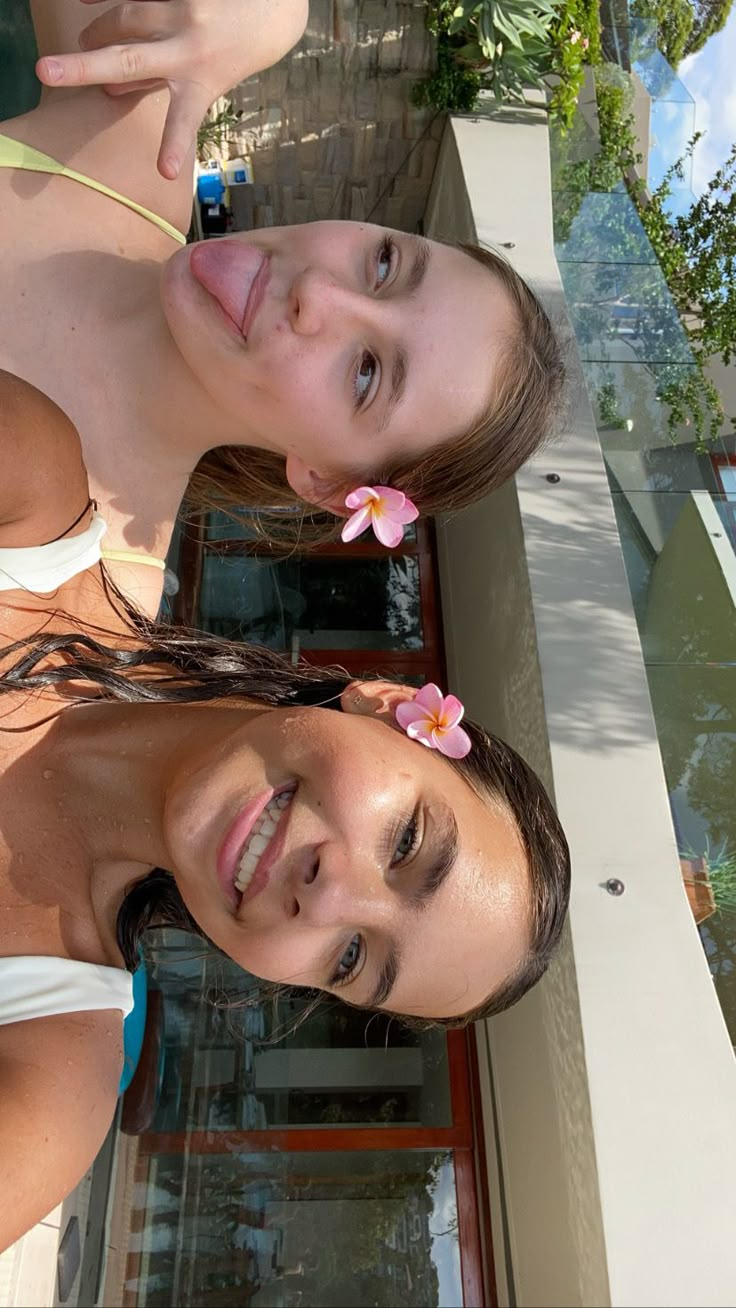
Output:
x=331 y=129
x=601 y=713
x=19 y=88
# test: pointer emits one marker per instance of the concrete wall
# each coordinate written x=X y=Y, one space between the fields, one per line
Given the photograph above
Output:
x=331 y=129
x=610 y=1089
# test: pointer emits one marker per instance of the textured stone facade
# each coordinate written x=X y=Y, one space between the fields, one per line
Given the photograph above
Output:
x=331 y=130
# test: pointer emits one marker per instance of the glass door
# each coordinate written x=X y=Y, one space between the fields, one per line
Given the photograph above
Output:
x=297 y=1156
x=357 y=605
x=317 y=1230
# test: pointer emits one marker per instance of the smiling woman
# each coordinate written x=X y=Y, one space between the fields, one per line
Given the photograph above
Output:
x=438 y=891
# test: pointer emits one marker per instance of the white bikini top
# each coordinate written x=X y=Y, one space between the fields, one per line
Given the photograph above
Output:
x=43 y=568
x=36 y=986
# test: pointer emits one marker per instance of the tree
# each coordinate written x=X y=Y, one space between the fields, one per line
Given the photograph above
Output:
x=710 y=16
x=683 y=26
x=675 y=20
x=702 y=272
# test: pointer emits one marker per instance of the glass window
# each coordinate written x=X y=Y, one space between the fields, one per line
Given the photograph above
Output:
x=641 y=451
x=624 y=311
x=314 y=602
x=338 y=1230
x=605 y=226
x=727 y=474
x=233 y=1062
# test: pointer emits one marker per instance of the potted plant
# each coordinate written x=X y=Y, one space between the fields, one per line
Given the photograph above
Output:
x=710 y=880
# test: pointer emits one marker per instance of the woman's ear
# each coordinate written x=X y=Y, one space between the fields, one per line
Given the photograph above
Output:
x=311 y=486
x=376 y=699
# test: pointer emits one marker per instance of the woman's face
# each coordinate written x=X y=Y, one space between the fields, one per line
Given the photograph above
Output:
x=371 y=868
x=340 y=345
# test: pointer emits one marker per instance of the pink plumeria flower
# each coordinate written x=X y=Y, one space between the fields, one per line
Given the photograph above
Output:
x=575 y=37
x=384 y=509
x=433 y=719
x=585 y=42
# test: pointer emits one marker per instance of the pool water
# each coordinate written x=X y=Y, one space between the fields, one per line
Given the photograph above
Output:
x=19 y=88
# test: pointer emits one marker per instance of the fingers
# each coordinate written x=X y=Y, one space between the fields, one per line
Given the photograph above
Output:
x=187 y=108
x=122 y=63
x=115 y=90
x=147 y=20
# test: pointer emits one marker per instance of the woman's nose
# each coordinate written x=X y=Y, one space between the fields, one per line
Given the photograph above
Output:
x=341 y=889
x=317 y=300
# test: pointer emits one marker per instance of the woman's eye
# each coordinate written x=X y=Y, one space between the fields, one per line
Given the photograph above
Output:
x=348 y=961
x=408 y=840
x=364 y=374
x=385 y=260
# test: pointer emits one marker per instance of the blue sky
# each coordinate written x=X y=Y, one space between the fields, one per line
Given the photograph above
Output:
x=709 y=77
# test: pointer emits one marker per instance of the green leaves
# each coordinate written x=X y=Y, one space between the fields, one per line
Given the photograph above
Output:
x=514 y=44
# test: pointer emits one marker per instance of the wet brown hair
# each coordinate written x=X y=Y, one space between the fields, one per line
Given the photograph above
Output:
x=522 y=413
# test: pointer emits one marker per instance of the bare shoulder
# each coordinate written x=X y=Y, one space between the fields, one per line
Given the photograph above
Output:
x=44 y=483
x=58 y=1089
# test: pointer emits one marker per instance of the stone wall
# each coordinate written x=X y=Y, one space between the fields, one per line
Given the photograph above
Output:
x=331 y=130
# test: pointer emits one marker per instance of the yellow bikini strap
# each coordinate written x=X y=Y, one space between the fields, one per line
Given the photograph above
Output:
x=132 y=556
x=154 y=218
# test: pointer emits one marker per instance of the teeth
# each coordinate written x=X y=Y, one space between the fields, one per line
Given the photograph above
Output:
x=260 y=837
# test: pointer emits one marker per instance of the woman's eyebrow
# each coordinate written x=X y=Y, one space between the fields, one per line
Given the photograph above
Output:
x=387 y=977
x=447 y=845
x=399 y=371
x=400 y=365
x=440 y=867
x=422 y=257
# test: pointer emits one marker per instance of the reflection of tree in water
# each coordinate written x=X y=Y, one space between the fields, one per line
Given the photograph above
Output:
x=697 y=736
x=696 y=726
x=719 y=941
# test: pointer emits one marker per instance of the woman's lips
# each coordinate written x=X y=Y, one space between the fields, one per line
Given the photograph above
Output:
x=235 y=274
x=236 y=837
x=228 y=856
x=268 y=858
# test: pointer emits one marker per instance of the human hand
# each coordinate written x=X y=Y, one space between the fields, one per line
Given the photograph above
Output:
x=198 y=48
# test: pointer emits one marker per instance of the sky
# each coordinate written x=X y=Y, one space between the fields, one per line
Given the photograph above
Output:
x=709 y=77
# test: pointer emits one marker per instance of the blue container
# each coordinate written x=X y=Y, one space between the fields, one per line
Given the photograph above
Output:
x=210 y=188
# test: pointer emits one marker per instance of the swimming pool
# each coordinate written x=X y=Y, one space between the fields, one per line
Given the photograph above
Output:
x=19 y=89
